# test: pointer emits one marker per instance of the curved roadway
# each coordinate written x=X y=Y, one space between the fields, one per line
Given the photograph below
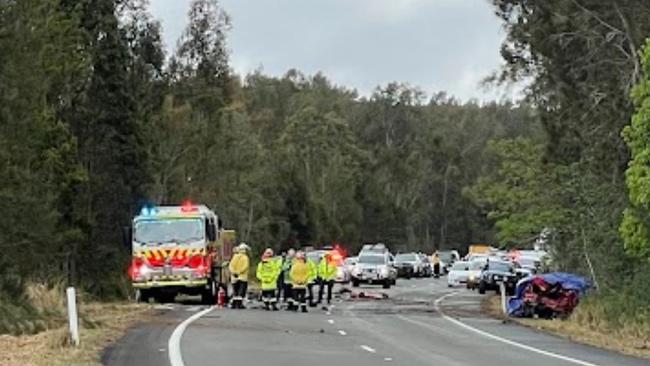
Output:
x=408 y=329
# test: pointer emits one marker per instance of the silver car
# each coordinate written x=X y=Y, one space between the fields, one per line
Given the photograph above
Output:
x=374 y=268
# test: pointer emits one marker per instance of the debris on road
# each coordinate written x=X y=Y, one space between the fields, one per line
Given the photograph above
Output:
x=369 y=295
x=547 y=296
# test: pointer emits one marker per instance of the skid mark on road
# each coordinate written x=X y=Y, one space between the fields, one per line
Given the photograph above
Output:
x=504 y=340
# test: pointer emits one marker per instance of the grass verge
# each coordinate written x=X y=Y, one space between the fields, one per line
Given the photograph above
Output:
x=101 y=325
x=626 y=340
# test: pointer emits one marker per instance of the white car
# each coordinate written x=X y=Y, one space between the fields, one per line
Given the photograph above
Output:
x=374 y=268
x=458 y=274
x=342 y=274
x=474 y=275
x=349 y=263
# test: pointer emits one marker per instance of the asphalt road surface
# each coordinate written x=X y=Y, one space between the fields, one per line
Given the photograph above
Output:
x=421 y=323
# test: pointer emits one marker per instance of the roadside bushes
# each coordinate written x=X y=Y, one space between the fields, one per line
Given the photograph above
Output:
x=28 y=308
x=624 y=311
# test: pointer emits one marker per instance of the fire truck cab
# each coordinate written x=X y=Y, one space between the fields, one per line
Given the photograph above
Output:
x=177 y=250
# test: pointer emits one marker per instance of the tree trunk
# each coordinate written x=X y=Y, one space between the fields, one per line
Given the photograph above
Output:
x=443 y=224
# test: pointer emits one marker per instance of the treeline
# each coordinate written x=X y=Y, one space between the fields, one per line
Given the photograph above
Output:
x=98 y=119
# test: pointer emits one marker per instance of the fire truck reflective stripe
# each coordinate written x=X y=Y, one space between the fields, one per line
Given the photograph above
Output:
x=163 y=254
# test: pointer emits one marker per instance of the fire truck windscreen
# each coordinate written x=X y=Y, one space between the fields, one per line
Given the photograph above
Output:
x=169 y=231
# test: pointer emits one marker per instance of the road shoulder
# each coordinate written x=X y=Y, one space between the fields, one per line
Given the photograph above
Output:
x=102 y=324
x=572 y=331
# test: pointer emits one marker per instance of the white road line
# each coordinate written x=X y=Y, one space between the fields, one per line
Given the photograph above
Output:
x=331 y=321
x=342 y=332
x=387 y=359
x=504 y=340
x=369 y=349
x=174 y=345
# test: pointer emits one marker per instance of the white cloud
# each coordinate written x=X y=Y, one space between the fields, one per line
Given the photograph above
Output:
x=446 y=45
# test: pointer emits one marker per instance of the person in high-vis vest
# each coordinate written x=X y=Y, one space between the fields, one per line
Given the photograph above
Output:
x=267 y=273
x=435 y=260
x=327 y=269
x=299 y=277
x=238 y=267
x=287 y=292
x=312 y=282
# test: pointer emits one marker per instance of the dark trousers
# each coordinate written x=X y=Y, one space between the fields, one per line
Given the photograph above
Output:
x=288 y=293
x=310 y=293
x=436 y=270
x=299 y=298
x=269 y=299
x=280 y=287
x=329 y=284
x=238 y=293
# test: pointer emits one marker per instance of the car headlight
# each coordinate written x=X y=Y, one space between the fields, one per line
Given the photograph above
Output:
x=472 y=277
x=383 y=271
x=356 y=271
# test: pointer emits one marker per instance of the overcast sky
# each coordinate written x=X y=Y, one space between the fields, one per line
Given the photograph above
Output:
x=448 y=45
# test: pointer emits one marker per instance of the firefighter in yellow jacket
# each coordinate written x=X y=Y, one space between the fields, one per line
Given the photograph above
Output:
x=299 y=278
x=435 y=260
x=268 y=271
x=239 y=265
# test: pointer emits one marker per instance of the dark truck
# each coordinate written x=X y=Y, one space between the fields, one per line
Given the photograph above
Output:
x=495 y=272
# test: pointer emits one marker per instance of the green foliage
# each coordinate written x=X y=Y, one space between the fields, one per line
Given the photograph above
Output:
x=635 y=228
x=324 y=163
x=522 y=195
x=95 y=122
x=37 y=151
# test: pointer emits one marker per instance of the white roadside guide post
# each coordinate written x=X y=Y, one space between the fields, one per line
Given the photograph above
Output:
x=73 y=318
x=502 y=288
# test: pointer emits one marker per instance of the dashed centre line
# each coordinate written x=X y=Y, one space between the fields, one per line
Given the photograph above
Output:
x=342 y=332
x=369 y=349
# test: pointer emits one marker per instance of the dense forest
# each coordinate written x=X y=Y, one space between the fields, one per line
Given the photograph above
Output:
x=97 y=119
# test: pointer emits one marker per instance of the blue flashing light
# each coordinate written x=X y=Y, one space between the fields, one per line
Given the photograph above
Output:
x=148 y=211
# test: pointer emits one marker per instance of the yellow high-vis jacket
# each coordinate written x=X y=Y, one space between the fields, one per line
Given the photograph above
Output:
x=313 y=271
x=327 y=270
x=268 y=272
x=239 y=267
x=299 y=274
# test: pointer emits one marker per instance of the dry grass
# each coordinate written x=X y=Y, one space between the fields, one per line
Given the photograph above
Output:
x=630 y=339
x=100 y=325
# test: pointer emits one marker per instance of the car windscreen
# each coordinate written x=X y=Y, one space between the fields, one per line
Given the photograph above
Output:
x=460 y=266
x=315 y=256
x=169 y=231
x=476 y=265
x=372 y=259
x=500 y=266
x=405 y=258
x=529 y=262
